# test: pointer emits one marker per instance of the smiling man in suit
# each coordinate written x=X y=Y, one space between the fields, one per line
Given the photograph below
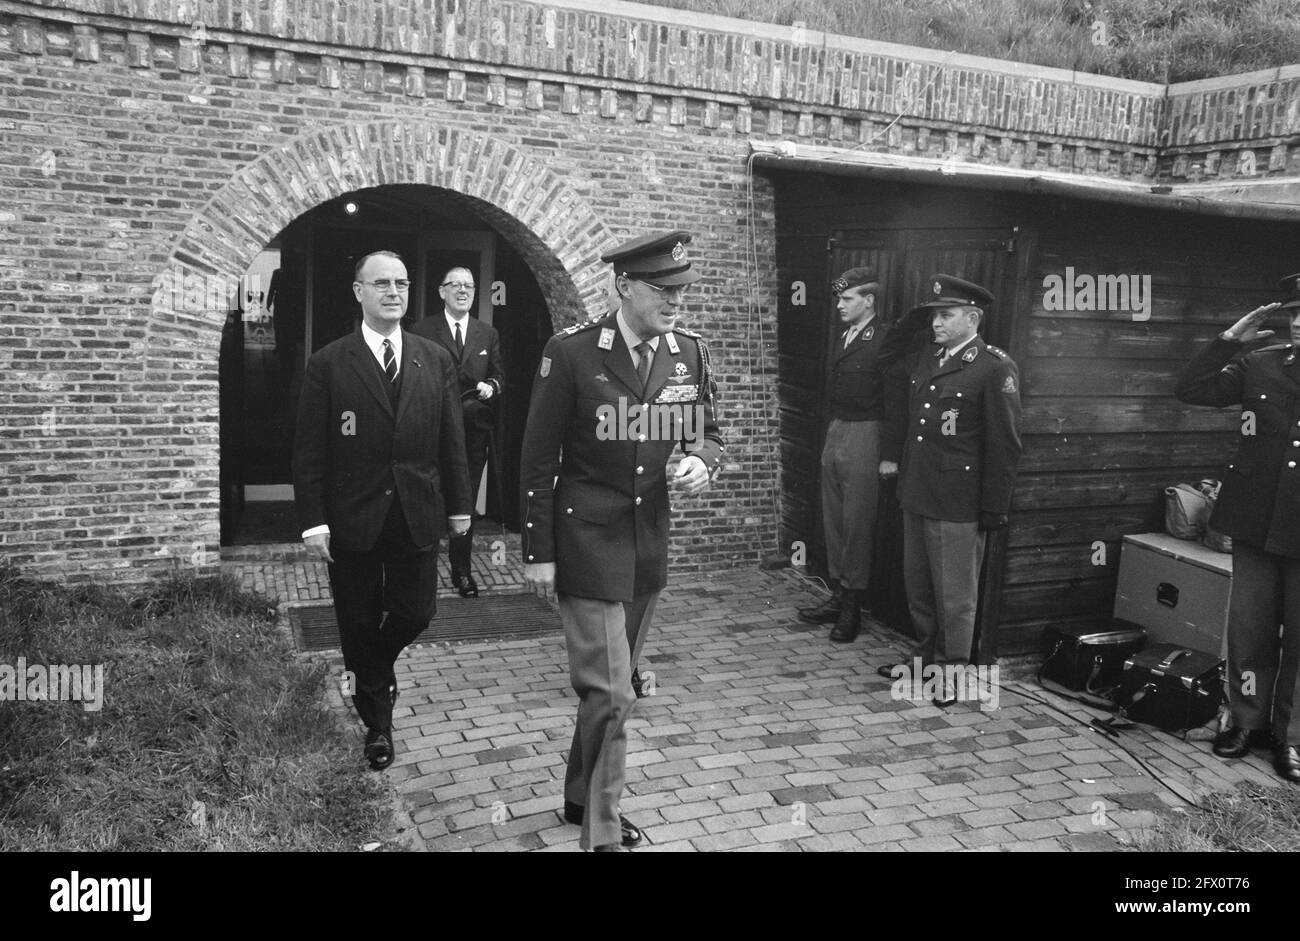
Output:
x=378 y=464
x=475 y=348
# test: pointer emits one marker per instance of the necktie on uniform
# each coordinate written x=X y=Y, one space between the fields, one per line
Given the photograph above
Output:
x=644 y=352
x=390 y=363
x=460 y=344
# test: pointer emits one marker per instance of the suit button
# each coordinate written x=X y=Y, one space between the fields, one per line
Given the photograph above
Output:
x=637 y=501
x=641 y=470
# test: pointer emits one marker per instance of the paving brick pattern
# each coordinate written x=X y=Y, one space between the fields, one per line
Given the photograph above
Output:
x=760 y=735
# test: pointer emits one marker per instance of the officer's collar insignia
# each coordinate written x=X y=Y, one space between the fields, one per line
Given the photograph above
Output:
x=680 y=369
x=1009 y=385
x=546 y=366
x=868 y=333
x=969 y=355
x=606 y=341
x=672 y=343
x=937 y=288
x=602 y=377
x=679 y=252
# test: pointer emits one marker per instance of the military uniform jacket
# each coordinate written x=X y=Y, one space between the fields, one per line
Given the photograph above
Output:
x=354 y=449
x=593 y=487
x=857 y=386
x=963 y=434
x=1259 y=502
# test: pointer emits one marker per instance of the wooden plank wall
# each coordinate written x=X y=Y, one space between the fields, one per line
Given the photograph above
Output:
x=1103 y=433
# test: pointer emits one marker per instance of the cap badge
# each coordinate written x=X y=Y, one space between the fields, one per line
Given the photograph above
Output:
x=969 y=355
x=606 y=341
x=938 y=288
x=679 y=252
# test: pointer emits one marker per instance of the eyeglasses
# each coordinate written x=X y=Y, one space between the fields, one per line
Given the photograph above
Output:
x=385 y=285
x=458 y=285
x=680 y=290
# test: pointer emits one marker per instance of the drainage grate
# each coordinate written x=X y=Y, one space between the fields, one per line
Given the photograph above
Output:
x=487 y=617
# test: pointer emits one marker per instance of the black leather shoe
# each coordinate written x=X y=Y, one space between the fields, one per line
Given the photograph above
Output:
x=1286 y=761
x=1232 y=742
x=828 y=612
x=637 y=685
x=465 y=584
x=887 y=671
x=573 y=813
x=379 y=749
x=849 y=624
x=944 y=700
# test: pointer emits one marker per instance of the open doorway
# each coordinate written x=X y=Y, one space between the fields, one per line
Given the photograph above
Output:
x=304 y=278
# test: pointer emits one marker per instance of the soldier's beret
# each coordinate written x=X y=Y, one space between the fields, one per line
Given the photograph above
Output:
x=658 y=259
x=947 y=291
x=854 y=277
x=1290 y=288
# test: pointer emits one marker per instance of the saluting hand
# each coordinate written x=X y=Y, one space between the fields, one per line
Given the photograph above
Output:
x=1247 y=328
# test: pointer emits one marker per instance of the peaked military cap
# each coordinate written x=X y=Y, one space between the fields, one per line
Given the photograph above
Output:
x=854 y=277
x=658 y=259
x=947 y=291
x=1290 y=288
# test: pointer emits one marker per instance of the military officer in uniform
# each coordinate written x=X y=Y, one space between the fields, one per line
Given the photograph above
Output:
x=958 y=469
x=853 y=460
x=1258 y=506
x=611 y=401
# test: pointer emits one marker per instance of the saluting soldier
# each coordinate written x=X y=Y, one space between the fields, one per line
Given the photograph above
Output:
x=1258 y=506
x=958 y=470
x=611 y=401
x=856 y=454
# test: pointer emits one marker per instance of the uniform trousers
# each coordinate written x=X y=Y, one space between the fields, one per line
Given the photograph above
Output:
x=1263 y=670
x=941 y=567
x=850 y=483
x=604 y=640
x=395 y=576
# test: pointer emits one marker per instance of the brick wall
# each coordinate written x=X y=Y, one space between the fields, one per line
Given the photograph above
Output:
x=150 y=143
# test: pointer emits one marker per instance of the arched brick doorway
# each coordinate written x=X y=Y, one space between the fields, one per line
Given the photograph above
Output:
x=550 y=228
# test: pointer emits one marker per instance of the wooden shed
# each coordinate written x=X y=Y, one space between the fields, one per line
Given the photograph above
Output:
x=1103 y=434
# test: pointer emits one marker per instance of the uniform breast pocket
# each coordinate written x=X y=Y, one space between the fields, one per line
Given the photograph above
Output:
x=958 y=411
x=1264 y=412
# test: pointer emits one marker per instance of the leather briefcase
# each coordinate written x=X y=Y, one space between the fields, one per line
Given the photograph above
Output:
x=1171 y=687
x=1088 y=660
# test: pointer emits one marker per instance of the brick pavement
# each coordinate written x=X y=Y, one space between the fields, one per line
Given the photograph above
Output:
x=759 y=735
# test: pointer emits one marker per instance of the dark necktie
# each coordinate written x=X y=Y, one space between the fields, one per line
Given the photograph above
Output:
x=390 y=364
x=460 y=344
x=643 y=363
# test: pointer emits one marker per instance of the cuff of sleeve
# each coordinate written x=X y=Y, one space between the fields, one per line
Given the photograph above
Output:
x=322 y=530
x=459 y=516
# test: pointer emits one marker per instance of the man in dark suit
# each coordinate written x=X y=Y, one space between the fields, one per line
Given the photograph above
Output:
x=958 y=469
x=477 y=352
x=611 y=401
x=1258 y=506
x=378 y=464
x=853 y=460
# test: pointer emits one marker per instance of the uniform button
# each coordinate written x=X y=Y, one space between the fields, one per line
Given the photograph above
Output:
x=530 y=493
x=931 y=388
x=959 y=395
x=638 y=499
x=641 y=469
x=926 y=405
x=1290 y=463
x=968 y=467
x=642 y=438
x=919 y=438
x=529 y=525
x=530 y=558
x=388 y=493
x=1263 y=395
x=1295 y=444
x=569 y=510
x=922 y=421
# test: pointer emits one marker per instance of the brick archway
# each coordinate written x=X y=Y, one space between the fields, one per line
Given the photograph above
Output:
x=556 y=230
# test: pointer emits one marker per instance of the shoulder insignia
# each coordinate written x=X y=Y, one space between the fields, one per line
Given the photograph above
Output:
x=606 y=341
x=546 y=367
x=1274 y=348
x=995 y=351
x=672 y=343
x=969 y=355
x=684 y=332
x=1009 y=384
x=577 y=328
x=868 y=333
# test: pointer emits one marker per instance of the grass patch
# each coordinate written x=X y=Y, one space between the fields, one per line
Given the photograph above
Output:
x=1249 y=819
x=213 y=734
x=1150 y=40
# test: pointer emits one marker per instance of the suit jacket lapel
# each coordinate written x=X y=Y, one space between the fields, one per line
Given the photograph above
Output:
x=409 y=375
x=366 y=366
